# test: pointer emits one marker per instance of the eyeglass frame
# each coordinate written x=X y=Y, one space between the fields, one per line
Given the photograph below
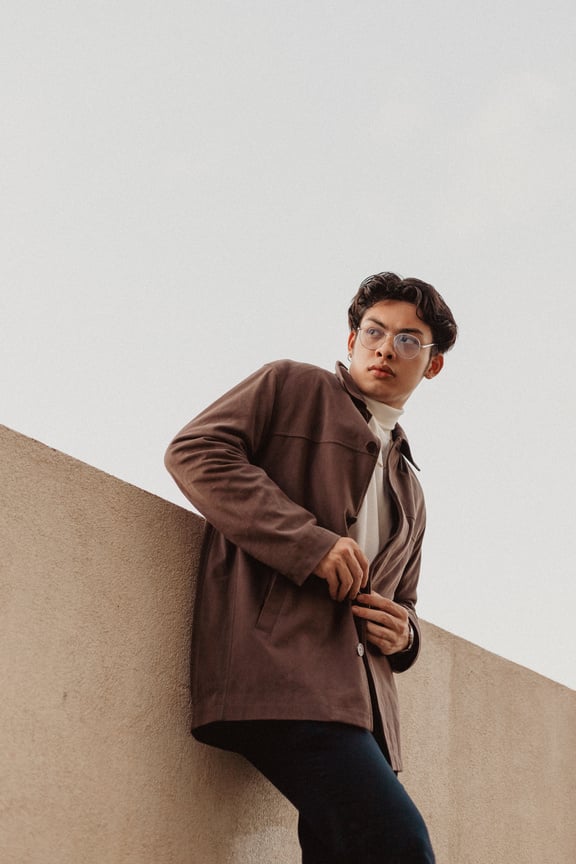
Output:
x=394 y=341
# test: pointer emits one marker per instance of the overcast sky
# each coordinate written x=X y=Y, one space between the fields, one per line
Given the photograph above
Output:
x=191 y=189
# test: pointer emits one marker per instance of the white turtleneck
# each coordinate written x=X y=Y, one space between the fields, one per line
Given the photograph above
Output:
x=372 y=528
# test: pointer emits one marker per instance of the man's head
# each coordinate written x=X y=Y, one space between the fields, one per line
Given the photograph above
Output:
x=399 y=330
x=430 y=307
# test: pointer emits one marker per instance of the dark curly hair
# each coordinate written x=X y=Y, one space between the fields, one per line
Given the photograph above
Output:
x=430 y=306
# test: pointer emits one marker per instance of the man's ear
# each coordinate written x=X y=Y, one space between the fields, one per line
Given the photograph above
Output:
x=351 y=341
x=435 y=366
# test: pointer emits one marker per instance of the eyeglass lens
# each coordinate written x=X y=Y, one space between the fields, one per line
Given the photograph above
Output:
x=406 y=345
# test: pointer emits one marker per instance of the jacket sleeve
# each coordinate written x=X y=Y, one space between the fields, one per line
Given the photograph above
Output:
x=214 y=461
x=405 y=595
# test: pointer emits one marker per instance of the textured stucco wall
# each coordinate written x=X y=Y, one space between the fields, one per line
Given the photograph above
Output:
x=96 y=587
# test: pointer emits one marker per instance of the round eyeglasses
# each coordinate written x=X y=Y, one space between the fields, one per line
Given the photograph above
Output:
x=406 y=345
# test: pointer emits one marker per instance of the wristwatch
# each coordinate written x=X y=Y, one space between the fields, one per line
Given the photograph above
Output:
x=410 y=639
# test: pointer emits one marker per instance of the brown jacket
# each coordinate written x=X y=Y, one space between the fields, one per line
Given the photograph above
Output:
x=279 y=467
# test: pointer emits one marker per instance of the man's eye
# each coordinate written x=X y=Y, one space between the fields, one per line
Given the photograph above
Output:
x=374 y=332
x=405 y=338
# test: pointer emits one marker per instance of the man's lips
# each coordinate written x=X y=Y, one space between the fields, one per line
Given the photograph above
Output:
x=381 y=371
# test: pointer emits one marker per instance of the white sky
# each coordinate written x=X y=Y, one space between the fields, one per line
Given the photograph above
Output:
x=191 y=189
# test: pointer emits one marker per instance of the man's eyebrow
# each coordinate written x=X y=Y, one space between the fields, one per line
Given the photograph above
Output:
x=414 y=330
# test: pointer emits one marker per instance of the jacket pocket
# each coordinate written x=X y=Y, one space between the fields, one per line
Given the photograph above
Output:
x=272 y=604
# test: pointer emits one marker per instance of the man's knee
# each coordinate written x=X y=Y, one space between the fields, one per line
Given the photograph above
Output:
x=408 y=845
x=413 y=848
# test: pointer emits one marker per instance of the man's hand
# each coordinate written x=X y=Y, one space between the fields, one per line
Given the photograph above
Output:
x=345 y=568
x=387 y=623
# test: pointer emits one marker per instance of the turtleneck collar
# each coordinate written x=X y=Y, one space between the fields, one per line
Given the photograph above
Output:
x=386 y=416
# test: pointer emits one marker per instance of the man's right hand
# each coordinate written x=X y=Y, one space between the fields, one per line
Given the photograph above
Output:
x=345 y=568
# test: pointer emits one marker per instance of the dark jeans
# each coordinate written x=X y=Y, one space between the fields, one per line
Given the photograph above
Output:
x=352 y=807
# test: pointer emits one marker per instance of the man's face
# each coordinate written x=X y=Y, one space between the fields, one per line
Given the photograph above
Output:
x=380 y=373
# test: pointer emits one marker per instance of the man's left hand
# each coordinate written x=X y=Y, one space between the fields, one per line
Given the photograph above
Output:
x=387 y=623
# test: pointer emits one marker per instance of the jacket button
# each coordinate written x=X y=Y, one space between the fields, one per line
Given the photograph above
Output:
x=372 y=447
x=360 y=649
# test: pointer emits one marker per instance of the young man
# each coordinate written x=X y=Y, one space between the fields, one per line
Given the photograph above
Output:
x=306 y=594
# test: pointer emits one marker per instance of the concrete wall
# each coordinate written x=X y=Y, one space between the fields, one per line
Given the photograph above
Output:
x=97 y=766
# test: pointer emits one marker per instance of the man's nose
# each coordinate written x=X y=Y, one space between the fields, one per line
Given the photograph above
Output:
x=386 y=347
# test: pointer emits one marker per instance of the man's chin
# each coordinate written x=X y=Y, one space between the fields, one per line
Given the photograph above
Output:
x=379 y=390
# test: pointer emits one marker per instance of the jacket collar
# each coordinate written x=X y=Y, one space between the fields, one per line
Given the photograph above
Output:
x=398 y=434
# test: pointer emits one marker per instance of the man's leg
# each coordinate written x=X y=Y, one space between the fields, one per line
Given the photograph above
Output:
x=352 y=807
